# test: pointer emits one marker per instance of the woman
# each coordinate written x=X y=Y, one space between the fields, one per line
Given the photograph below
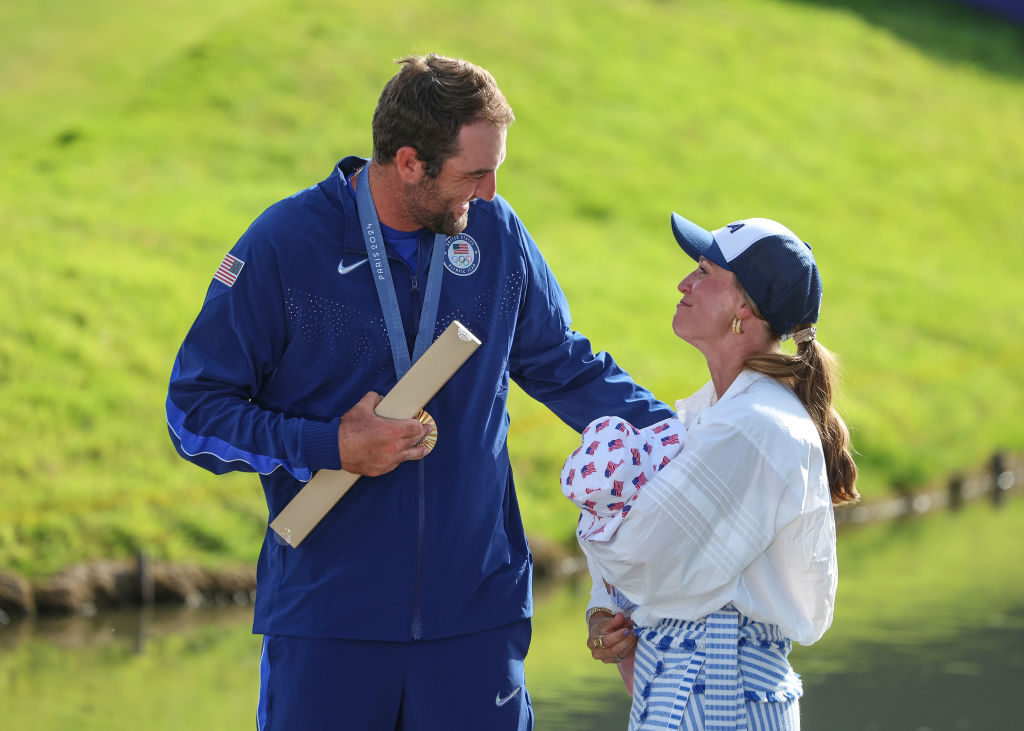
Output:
x=710 y=536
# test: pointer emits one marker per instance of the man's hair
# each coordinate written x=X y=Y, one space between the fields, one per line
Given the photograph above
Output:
x=426 y=104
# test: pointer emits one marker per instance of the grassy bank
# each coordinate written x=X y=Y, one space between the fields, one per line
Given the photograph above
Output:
x=136 y=146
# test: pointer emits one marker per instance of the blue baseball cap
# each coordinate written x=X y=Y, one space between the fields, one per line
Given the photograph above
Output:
x=773 y=264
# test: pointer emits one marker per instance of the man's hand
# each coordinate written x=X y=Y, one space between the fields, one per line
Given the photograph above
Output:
x=371 y=445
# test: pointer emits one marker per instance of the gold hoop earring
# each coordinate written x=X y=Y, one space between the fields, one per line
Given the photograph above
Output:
x=737 y=325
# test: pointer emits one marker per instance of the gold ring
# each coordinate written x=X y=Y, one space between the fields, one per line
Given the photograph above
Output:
x=598 y=642
x=431 y=439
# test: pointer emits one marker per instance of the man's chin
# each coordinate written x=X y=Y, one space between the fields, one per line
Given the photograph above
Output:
x=459 y=225
x=450 y=226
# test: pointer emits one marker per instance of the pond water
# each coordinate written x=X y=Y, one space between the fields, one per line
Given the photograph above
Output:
x=928 y=636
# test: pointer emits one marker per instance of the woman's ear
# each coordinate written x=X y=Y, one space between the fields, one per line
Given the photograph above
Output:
x=751 y=322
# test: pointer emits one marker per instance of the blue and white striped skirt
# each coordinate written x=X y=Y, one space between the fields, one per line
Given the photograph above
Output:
x=724 y=673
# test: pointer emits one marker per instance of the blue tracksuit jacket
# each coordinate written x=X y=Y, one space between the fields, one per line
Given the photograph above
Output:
x=435 y=548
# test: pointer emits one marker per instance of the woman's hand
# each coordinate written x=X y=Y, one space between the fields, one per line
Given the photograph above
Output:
x=611 y=639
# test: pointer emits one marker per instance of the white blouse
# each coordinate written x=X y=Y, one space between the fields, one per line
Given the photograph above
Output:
x=741 y=515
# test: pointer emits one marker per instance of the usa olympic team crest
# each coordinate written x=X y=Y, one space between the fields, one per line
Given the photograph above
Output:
x=463 y=255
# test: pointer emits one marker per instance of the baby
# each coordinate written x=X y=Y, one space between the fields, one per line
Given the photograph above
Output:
x=604 y=476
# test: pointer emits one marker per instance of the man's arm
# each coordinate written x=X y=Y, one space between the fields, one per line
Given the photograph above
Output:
x=557 y=366
x=213 y=416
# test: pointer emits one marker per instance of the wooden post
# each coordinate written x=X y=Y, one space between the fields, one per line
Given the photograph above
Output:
x=998 y=469
x=956 y=491
x=146 y=592
x=906 y=499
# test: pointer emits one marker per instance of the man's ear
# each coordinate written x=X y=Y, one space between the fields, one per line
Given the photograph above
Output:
x=408 y=164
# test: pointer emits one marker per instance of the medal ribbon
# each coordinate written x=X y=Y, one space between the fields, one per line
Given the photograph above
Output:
x=378 y=258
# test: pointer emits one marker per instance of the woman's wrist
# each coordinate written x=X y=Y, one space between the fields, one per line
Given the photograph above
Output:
x=598 y=610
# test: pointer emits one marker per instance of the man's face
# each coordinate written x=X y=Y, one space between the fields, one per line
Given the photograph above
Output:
x=441 y=204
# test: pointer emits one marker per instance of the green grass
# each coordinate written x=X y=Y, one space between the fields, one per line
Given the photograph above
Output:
x=137 y=145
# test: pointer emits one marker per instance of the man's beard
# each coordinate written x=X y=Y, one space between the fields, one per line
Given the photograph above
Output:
x=430 y=210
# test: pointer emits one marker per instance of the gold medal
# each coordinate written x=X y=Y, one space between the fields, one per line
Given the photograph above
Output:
x=431 y=439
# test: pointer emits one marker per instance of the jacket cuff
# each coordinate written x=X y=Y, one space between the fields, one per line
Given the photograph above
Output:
x=320 y=444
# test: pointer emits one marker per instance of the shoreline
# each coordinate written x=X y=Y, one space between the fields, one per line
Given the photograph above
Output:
x=87 y=588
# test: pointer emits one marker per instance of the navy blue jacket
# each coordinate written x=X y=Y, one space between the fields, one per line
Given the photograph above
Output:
x=435 y=548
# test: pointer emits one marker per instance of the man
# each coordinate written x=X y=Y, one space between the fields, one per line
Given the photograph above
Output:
x=408 y=606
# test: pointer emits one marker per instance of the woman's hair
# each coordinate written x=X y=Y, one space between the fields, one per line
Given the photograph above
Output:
x=812 y=373
x=427 y=103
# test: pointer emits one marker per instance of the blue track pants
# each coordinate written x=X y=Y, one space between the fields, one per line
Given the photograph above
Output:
x=470 y=682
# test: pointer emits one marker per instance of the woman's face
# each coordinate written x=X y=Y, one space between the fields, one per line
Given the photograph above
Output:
x=710 y=300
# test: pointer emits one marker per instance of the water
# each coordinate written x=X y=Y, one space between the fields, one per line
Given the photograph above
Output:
x=928 y=636
x=964 y=682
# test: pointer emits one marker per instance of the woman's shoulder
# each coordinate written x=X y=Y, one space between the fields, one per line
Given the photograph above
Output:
x=766 y=411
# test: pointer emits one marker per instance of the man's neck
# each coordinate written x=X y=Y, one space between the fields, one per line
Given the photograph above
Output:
x=386 y=189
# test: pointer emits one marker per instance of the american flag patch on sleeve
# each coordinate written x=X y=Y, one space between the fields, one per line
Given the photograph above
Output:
x=229 y=270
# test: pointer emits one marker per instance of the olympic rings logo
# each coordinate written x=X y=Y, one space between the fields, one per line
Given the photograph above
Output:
x=463 y=255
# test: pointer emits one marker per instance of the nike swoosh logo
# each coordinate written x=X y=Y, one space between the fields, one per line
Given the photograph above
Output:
x=499 y=701
x=342 y=269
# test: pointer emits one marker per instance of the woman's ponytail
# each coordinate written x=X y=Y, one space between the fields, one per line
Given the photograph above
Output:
x=812 y=373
